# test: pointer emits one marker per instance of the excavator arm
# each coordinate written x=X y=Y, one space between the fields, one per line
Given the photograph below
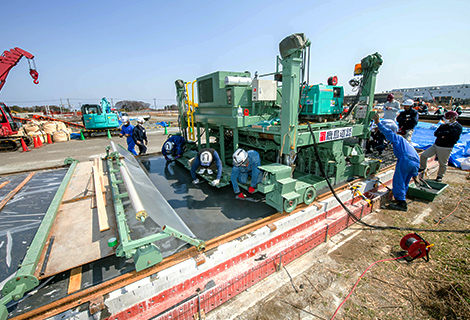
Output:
x=10 y=58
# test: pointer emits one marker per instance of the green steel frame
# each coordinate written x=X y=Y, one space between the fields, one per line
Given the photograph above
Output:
x=144 y=252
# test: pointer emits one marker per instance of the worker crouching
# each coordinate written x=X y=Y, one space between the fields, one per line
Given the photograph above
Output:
x=407 y=162
x=173 y=148
x=245 y=164
x=207 y=161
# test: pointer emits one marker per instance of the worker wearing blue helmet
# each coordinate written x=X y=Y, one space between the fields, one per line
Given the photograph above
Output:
x=173 y=148
x=245 y=164
x=407 y=162
x=127 y=130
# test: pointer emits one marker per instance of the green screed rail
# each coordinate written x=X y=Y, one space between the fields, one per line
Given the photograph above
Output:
x=143 y=251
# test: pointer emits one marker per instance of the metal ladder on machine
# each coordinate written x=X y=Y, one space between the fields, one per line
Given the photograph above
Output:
x=191 y=107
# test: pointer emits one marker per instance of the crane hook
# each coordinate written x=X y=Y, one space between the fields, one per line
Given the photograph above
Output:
x=35 y=75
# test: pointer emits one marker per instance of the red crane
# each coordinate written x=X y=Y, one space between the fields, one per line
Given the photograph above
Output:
x=9 y=135
x=10 y=58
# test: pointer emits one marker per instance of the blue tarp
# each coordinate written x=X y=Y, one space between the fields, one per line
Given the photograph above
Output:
x=423 y=137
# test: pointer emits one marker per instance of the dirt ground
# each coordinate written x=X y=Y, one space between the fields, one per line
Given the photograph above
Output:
x=438 y=289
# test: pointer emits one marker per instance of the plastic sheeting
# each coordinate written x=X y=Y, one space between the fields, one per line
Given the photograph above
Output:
x=159 y=212
x=423 y=137
x=22 y=215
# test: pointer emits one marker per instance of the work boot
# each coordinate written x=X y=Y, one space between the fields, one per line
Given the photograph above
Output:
x=398 y=205
x=201 y=171
x=439 y=179
x=209 y=171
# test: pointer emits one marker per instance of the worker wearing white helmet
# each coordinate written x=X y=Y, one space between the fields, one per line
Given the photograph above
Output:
x=127 y=130
x=407 y=120
x=140 y=136
x=173 y=148
x=245 y=164
x=207 y=160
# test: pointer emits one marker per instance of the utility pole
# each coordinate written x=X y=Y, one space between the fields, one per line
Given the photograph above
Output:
x=155 y=103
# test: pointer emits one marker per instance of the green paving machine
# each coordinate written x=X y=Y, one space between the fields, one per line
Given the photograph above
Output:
x=297 y=128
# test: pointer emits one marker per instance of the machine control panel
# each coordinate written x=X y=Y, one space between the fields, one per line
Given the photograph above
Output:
x=264 y=90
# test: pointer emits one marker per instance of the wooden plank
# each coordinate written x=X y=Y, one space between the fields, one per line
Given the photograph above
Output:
x=78 y=239
x=83 y=183
x=100 y=206
x=75 y=280
x=13 y=192
x=4 y=184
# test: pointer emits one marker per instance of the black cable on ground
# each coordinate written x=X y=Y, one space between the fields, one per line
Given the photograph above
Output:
x=356 y=219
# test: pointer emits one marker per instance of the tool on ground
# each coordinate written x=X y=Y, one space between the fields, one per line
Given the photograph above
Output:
x=416 y=246
x=355 y=190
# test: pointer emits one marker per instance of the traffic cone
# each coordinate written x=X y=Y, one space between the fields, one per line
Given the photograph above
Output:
x=49 y=139
x=82 y=137
x=40 y=142
x=35 y=142
x=23 y=145
x=109 y=135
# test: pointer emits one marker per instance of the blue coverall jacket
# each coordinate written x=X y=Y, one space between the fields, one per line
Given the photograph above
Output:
x=197 y=163
x=407 y=162
x=178 y=146
x=240 y=174
x=130 y=141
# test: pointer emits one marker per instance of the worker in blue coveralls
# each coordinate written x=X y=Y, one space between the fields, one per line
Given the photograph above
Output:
x=207 y=160
x=245 y=164
x=407 y=162
x=126 y=130
x=173 y=148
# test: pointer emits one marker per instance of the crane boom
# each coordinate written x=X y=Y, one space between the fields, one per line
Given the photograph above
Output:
x=10 y=58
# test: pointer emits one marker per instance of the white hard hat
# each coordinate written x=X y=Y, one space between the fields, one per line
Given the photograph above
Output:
x=140 y=120
x=206 y=158
x=124 y=119
x=390 y=124
x=169 y=146
x=408 y=102
x=239 y=157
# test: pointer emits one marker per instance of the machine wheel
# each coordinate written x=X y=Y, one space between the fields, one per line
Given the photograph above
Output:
x=366 y=171
x=309 y=195
x=289 y=205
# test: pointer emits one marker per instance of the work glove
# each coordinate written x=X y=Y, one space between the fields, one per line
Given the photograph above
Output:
x=251 y=190
x=215 y=182
x=241 y=195
x=196 y=181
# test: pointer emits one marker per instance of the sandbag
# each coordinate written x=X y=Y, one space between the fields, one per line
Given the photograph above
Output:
x=61 y=136
x=31 y=128
x=49 y=127
x=61 y=125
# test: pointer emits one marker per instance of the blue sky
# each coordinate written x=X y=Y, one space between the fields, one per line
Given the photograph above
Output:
x=86 y=50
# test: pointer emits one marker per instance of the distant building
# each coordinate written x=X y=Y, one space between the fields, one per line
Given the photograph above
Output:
x=440 y=94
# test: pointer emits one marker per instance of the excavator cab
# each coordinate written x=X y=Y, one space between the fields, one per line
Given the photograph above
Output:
x=8 y=126
x=94 y=117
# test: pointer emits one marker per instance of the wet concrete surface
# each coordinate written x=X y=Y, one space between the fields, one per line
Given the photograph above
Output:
x=208 y=211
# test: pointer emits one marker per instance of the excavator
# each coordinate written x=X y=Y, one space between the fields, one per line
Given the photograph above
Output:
x=10 y=140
